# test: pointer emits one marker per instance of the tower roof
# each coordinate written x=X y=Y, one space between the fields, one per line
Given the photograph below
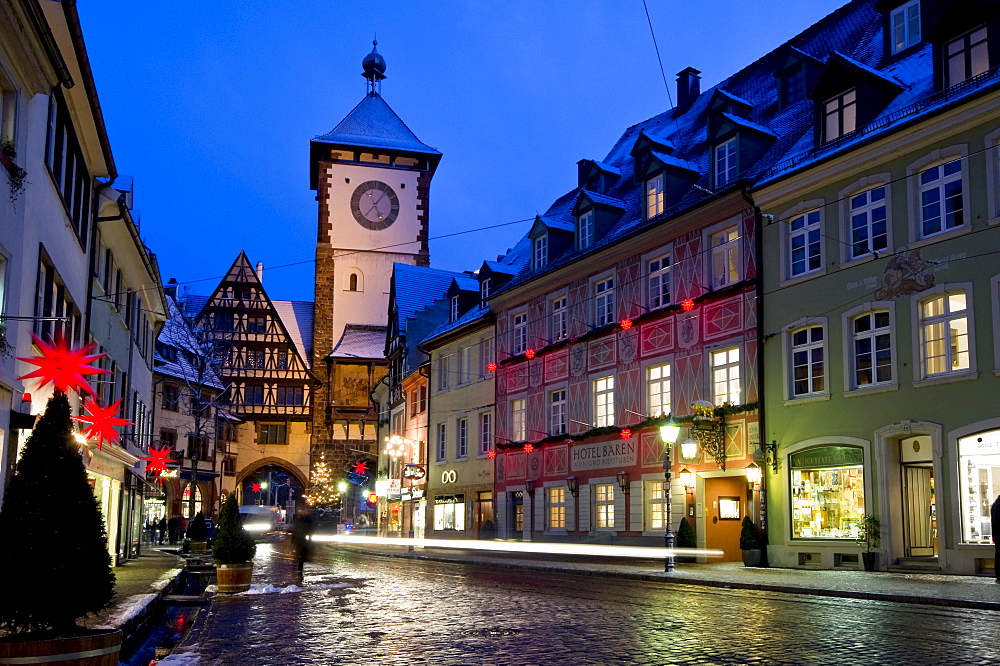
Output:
x=372 y=124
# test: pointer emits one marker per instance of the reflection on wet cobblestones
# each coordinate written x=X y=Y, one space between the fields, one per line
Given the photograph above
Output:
x=358 y=609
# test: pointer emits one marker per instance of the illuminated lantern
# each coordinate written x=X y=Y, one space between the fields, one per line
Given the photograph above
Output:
x=255 y=488
x=491 y=366
x=373 y=498
x=687 y=305
x=626 y=433
x=530 y=353
x=528 y=448
x=102 y=422
x=157 y=459
x=360 y=468
x=626 y=324
x=491 y=454
x=62 y=366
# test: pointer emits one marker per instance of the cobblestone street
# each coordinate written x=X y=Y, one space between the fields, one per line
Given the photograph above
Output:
x=358 y=609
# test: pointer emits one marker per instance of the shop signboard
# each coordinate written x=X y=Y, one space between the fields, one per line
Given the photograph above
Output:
x=828 y=456
x=601 y=455
x=980 y=444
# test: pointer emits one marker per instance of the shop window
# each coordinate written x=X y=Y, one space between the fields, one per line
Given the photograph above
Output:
x=556 y=497
x=656 y=500
x=186 y=500
x=449 y=513
x=979 y=473
x=604 y=505
x=828 y=492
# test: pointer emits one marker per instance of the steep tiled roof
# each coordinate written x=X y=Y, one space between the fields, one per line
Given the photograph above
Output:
x=176 y=333
x=297 y=316
x=360 y=341
x=473 y=315
x=372 y=124
x=416 y=287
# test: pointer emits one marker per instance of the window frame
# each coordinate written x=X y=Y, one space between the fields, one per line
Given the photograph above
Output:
x=602 y=401
x=658 y=278
x=441 y=442
x=585 y=229
x=604 y=506
x=453 y=308
x=923 y=377
x=487 y=350
x=840 y=111
x=444 y=369
x=540 y=251
x=558 y=318
x=734 y=245
x=556 y=504
x=966 y=53
x=651 y=500
x=790 y=348
x=654 y=195
x=846 y=195
x=725 y=160
x=519 y=419
x=462 y=438
x=557 y=408
x=848 y=350
x=604 y=299
x=278 y=428
x=915 y=189
x=519 y=332
x=658 y=365
x=728 y=366
x=910 y=38
x=485 y=432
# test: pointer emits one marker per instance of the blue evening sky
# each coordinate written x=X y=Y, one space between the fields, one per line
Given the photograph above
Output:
x=210 y=106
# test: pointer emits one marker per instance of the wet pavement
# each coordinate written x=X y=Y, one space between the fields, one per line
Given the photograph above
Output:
x=356 y=608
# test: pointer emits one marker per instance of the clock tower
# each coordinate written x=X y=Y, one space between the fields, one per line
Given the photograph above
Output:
x=372 y=178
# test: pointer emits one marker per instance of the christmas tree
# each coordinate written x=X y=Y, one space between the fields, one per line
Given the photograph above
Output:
x=323 y=491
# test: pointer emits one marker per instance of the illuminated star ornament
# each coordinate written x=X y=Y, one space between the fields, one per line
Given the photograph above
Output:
x=255 y=488
x=64 y=367
x=491 y=454
x=528 y=448
x=102 y=422
x=361 y=468
x=157 y=459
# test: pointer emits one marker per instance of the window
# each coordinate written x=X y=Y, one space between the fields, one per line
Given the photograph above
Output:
x=352 y=282
x=979 y=472
x=725 y=163
x=485 y=432
x=253 y=394
x=725 y=258
x=905 y=26
x=604 y=505
x=805 y=247
x=8 y=109
x=68 y=168
x=840 y=115
x=256 y=324
x=454 y=309
x=808 y=361
x=793 y=85
x=654 y=196
x=442 y=442
x=658 y=386
x=657 y=501
x=604 y=302
x=941 y=198
x=518 y=423
x=604 y=401
x=726 y=376
x=557 y=412
x=462 y=438
x=272 y=433
x=171 y=398
x=966 y=56
x=486 y=355
x=484 y=291
x=449 y=512
x=944 y=334
x=828 y=492
x=557 y=322
x=541 y=251
x=585 y=230
x=168 y=438
x=254 y=359
x=443 y=369
x=659 y=281
x=463 y=356
x=290 y=395
x=872 y=355
x=556 y=496
x=869 y=231
x=282 y=360
x=520 y=331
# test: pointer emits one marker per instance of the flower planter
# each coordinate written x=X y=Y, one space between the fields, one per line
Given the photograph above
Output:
x=100 y=649
x=232 y=578
x=199 y=546
x=751 y=558
x=870 y=561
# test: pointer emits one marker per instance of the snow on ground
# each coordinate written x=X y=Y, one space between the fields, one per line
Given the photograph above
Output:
x=165 y=579
x=271 y=589
x=187 y=658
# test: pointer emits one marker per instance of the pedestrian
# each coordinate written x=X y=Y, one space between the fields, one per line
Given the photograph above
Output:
x=995 y=524
x=174 y=526
x=163 y=528
x=301 y=540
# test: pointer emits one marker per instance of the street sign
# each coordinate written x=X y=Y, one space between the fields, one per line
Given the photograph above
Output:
x=414 y=471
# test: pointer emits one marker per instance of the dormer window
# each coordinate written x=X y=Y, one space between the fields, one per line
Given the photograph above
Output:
x=793 y=85
x=540 y=251
x=904 y=22
x=725 y=162
x=840 y=115
x=585 y=230
x=654 y=196
x=484 y=291
x=454 y=308
x=965 y=57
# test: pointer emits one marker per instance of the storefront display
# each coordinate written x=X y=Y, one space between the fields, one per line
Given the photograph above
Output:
x=979 y=474
x=828 y=492
x=449 y=512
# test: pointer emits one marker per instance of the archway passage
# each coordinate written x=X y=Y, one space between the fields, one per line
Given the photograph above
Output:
x=274 y=486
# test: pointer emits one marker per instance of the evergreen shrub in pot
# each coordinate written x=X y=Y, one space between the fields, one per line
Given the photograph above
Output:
x=197 y=534
x=750 y=543
x=870 y=536
x=232 y=549
x=685 y=539
x=54 y=553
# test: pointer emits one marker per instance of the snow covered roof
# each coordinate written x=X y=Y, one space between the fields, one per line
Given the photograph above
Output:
x=297 y=317
x=360 y=341
x=416 y=287
x=473 y=315
x=372 y=124
x=177 y=334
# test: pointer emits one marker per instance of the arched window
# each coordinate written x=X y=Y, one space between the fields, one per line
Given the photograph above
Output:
x=353 y=282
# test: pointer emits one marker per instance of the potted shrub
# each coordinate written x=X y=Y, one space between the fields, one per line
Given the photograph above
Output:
x=233 y=549
x=870 y=536
x=54 y=550
x=685 y=539
x=750 y=543
x=197 y=534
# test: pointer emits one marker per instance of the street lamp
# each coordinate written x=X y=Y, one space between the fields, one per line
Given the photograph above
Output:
x=668 y=435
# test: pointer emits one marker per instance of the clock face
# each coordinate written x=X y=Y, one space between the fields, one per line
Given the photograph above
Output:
x=375 y=205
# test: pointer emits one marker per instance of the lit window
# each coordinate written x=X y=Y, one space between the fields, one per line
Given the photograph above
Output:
x=944 y=334
x=657 y=501
x=869 y=231
x=585 y=230
x=966 y=56
x=828 y=492
x=541 y=251
x=604 y=505
x=872 y=357
x=654 y=196
x=941 y=198
x=557 y=412
x=557 y=322
x=519 y=423
x=520 y=331
x=462 y=438
x=556 y=496
x=905 y=25
x=604 y=401
x=659 y=281
x=659 y=389
x=725 y=163
x=725 y=258
x=604 y=302
x=272 y=433
x=808 y=361
x=726 y=376
x=979 y=472
x=805 y=248
x=840 y=115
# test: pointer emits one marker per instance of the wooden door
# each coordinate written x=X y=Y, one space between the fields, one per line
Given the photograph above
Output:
x=725 y=506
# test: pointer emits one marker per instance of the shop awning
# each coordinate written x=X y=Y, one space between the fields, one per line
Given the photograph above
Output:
x=203 y=474
x=147 y=487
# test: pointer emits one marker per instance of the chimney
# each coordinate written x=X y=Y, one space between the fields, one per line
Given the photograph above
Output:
x=260 y=271
x=688 y=88
x=171 y=288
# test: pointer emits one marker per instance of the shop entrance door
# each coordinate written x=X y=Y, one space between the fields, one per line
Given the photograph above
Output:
x=725 y=506
x=516 y=522
x=918 y=504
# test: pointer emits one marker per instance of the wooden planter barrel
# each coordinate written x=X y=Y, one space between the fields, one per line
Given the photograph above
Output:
x=91 y=650
x=231 y=578
x=199 y=546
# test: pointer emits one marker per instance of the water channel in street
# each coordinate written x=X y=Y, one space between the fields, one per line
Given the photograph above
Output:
x=356 y=608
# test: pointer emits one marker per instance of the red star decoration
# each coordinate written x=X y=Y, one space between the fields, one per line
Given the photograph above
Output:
x=528 y=448
x=158 y=459
x=360 y=467
x=491 y=367
x=530 y=353
x=255 y=487
x=102 y=422
x=687 y=304
x=625 y=433
x=62 y=366
x=626 y=324
x=491 y=454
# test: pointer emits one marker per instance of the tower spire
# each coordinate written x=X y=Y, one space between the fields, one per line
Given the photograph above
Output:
x=374 y=66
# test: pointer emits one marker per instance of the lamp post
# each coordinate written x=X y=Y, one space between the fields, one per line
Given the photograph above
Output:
x=668 y=435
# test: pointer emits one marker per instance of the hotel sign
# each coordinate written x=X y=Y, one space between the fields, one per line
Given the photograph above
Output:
x=621 y=453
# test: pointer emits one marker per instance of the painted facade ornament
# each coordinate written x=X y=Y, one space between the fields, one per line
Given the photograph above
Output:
x=627 y=345
x=578 y=360
x=906 y=273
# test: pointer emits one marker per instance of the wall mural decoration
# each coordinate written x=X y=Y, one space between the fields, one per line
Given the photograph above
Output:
x=906 y=273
